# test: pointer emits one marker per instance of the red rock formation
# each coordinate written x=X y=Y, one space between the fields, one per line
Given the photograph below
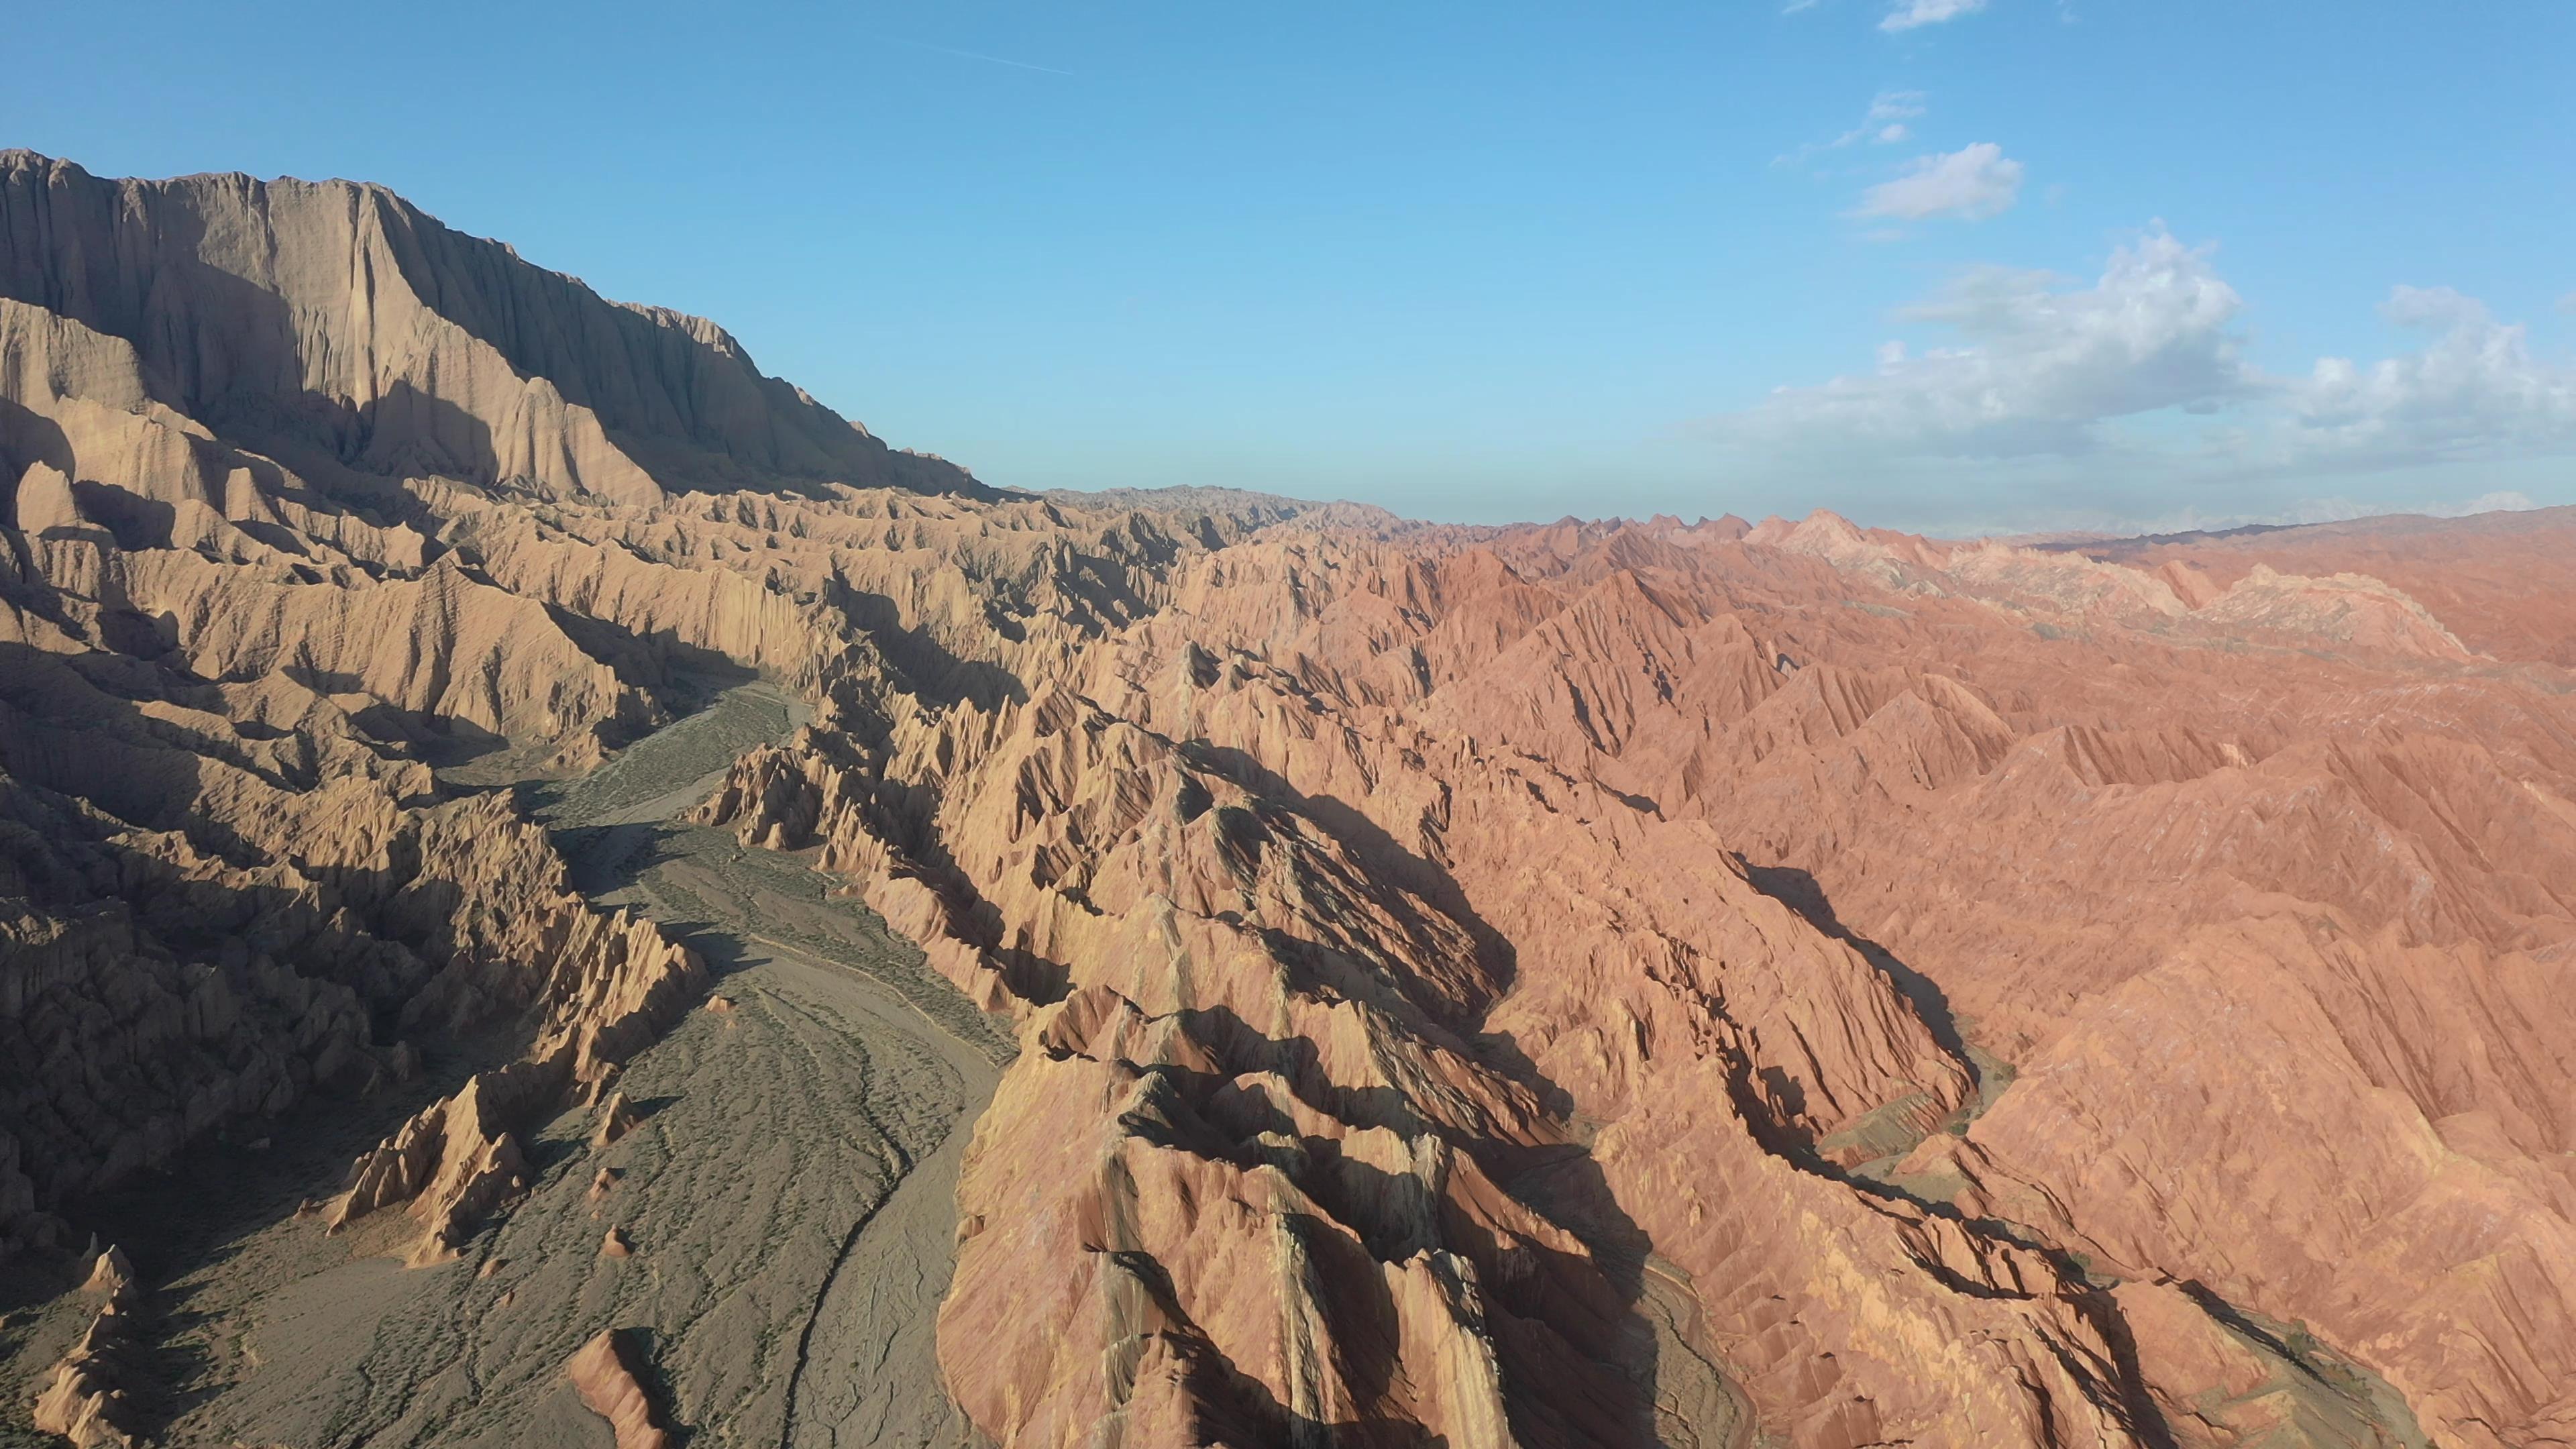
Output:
x=1756 y=792
x=1205 y=929
x=111 y=1277
x=616 y=1119
x=604 y=1373
x=608 y=985
x=83 y=1400
x=2500 y=581
x=454 y=1164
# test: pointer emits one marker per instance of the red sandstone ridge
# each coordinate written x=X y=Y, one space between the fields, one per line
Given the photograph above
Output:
x=1768 y=862
x=2501 y=581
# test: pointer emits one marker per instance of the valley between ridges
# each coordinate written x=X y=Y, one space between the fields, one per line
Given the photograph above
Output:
x=790 y=1191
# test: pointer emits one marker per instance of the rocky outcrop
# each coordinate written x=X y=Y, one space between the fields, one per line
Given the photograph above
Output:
x=84 y=1399
x=111 y=1277
x=1251 y=990
x=456 y=1162
x=604 y=1373
x=617 y=1117
x=611 y=985
x=83 y=1403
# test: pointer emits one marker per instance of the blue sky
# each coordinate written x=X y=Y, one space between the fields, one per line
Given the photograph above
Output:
x=2139 y=263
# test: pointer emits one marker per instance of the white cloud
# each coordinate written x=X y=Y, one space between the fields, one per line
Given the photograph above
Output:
x=1974 y=182
x=1882 y=124
x=2143 y=374
x=2502 y=501
x=2044 y=364
x=1889 y=106
x=2474 y=391
x=1911 y=13
x=2507 y=501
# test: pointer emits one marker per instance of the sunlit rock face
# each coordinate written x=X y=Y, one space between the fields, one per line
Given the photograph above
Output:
x=1583 y=984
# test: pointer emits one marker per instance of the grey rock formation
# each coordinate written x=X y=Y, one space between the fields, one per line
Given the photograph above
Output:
x=297 y=317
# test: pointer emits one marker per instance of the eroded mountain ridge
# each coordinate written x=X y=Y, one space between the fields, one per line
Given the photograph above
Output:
x=1594 y=983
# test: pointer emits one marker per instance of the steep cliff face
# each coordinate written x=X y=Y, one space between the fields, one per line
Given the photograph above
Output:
x=1600 y=983
x=336 y=318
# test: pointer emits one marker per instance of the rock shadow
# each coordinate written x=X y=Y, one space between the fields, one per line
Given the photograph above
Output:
x=1800 y=892
x=1417 y=874
x=930 y=669
x=1579 y=1355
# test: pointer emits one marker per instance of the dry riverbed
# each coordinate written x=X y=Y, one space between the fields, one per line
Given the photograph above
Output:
x=789 y=1193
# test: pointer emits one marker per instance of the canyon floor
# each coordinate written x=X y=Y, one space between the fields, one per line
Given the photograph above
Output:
x=790 y=1190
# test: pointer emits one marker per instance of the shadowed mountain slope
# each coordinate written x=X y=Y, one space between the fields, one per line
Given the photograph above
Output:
x=336 y=317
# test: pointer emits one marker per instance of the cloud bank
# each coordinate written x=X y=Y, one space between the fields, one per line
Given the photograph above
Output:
x=1973 y=182
x=2144 y=372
